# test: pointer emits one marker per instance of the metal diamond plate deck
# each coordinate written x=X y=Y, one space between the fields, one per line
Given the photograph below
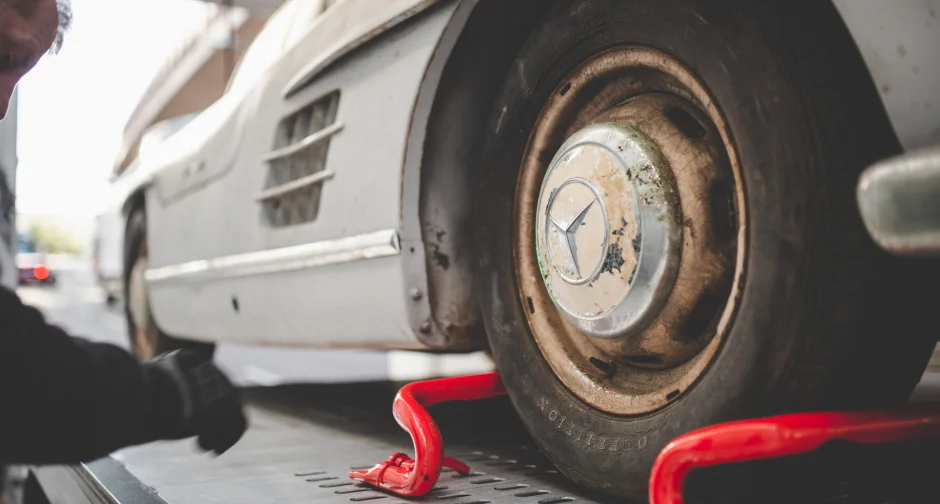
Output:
x=304 y=440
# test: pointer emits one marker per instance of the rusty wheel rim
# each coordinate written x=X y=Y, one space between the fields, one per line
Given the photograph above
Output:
x=646 y=100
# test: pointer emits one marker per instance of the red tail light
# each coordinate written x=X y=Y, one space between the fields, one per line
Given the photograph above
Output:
x=41 y=272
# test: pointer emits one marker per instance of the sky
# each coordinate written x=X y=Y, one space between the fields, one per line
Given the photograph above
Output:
x=73 y=106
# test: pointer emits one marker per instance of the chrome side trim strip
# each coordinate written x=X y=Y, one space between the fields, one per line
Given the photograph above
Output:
x=307 y=142
x=293 y=185
x=309 y=255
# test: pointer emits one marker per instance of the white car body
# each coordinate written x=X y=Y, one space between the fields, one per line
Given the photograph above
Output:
x=386 y=262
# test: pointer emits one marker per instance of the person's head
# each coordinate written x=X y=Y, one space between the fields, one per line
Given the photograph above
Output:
x=28 y=29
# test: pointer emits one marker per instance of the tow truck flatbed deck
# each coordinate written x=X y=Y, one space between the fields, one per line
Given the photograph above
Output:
x=304 y=439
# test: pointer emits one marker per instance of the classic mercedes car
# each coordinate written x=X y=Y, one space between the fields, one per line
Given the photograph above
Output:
x=646 y=210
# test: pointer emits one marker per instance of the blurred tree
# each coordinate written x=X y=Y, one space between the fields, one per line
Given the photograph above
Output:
x=47 y=237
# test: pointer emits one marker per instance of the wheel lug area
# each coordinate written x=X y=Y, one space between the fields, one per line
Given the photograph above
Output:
x=609 y=369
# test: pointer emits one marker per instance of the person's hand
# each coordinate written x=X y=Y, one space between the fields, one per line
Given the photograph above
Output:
x=209 y=405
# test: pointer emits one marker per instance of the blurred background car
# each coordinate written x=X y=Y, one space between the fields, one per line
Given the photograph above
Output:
x=32 y=266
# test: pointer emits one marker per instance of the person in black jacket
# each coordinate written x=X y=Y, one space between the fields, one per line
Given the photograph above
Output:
x=67 y=400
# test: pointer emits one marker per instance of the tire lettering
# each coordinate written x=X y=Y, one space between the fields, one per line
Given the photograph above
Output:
x=589 y=439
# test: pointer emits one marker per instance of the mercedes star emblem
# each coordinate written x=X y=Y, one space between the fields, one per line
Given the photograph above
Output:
x=570 y=217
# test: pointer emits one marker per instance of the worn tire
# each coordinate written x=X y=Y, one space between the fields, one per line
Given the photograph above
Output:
x=825 y=319
x=157 y=342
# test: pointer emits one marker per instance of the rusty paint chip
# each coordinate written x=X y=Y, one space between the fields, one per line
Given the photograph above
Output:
x=614 y=260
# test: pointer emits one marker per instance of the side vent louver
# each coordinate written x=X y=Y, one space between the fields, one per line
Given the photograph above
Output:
x=297 y=165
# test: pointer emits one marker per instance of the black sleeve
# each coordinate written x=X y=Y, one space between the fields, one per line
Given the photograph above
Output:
x=67 y=400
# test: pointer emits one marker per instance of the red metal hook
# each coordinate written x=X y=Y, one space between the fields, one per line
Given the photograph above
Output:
x=776 y=437
x=415 y=477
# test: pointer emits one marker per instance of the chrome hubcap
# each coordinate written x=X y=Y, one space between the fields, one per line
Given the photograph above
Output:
x=609 y=230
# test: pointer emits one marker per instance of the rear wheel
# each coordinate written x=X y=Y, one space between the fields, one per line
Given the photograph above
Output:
x=146 y=339
x=668 y=235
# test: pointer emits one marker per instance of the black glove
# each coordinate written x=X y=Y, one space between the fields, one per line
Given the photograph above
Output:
x=207 y=404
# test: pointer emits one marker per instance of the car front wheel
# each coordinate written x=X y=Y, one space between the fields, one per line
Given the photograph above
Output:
x=668 y=235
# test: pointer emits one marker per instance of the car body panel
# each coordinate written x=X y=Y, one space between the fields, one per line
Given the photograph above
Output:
x=205 y=194
x=899 y=41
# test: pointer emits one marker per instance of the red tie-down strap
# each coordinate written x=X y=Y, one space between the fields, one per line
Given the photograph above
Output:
x=779 y=436
x=415 y=477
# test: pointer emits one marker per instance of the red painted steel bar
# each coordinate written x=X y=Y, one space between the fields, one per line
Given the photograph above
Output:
x=777 y=437
x=409 y=477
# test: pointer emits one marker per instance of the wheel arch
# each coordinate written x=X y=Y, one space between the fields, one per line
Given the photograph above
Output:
x=135 y=202
x=446 y=136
